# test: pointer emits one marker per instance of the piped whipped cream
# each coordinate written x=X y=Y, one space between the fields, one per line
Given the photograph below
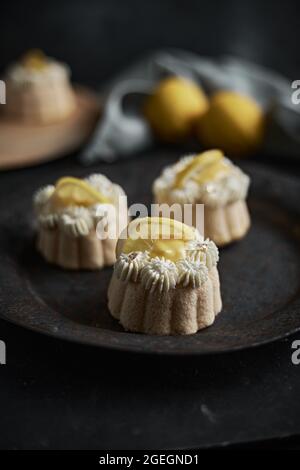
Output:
x=218 y=192
x=48 y=221
x=159 y=274
x=21 y=75
x=76 y=221
x=42 y=196
x=102 y=184
x=191 y=273
x=128 y=267
x=205 y=251
x=73 y=220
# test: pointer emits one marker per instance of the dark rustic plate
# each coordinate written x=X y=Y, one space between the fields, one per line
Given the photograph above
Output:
x=260 y=276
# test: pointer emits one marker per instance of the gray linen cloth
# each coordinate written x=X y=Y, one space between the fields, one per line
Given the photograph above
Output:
x=123 y=131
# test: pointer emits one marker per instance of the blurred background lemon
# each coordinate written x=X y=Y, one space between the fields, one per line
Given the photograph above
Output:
x=233 y=122
x=178 y=108
x=174 y=107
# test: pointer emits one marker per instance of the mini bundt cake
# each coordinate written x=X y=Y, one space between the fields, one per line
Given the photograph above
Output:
x=210 y=179
x=39 y=90
x=165 y=286
x=73 y=218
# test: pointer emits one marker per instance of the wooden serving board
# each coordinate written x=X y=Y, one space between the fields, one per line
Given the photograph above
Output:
x=23 y=144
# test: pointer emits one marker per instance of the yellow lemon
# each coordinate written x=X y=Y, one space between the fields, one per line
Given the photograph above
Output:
x=71 y=191
x=204 y=167
x=233 y=122
x=159 y=236
x=174 y=107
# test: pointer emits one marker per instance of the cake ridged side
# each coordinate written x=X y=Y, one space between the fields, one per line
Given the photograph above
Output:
x=227 y=223
x=38 y=104
x=179 y=311
x=222 y=224
x=86 y=252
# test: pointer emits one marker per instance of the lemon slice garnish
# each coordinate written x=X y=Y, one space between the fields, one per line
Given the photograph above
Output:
x=159 y=236
x=35 y=59
x=212 y=172
x=204 y=167
x=71 y=191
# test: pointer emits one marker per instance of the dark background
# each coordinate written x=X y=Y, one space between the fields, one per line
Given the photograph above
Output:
x=98 y=37
x=59 y=395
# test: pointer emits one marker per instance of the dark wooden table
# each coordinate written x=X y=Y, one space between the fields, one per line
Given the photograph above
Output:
x=57 y=395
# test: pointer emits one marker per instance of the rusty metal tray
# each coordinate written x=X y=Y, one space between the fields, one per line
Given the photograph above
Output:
x=260 y=275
